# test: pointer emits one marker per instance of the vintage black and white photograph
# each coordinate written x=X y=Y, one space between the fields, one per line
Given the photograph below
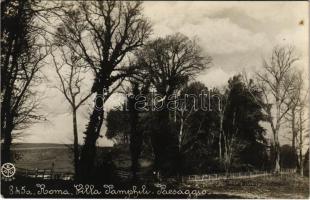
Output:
x=119 y=99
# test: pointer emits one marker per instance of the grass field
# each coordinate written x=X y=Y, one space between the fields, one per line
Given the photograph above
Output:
x=45 y=156
x=289 y=186
x=292 y=187
x=42 y=156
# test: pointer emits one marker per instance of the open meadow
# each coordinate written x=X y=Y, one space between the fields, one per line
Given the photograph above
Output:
x=287 y=187
x=46 y=156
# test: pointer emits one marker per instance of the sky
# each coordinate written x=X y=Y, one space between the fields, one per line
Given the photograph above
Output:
x=237 y=35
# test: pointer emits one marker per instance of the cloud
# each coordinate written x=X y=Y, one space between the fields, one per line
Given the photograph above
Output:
x=230 y=27
x=236 y=34
x=217 y=35
x=215 y=77
x=221 y=36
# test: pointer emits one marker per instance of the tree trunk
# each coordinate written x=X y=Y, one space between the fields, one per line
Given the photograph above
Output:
x=277 y=151
x=220 y=137
x=226 y=159
x=6 y=127
x=88 y=154
x=293 y=130
x=275 y=130
x=301 y=166
x=76 y=143
x=159 y=138
x=294 y=135
x=181 y=133
x=7 y=117
x=6 y=147
x=135 y=135
x=135 y=148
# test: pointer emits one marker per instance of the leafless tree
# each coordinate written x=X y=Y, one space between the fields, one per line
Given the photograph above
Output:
x=275 y=82
x=303 y=131
x=187 y=105
x=299 y=118
x=295 y=95
x=22 y=54
x=183 y=114
x=230 y=144
x=102 y=33
x=71 y=74
x=227 y=138
x=221 y=114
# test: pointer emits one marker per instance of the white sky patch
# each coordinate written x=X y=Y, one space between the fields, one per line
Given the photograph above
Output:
x=215 y=77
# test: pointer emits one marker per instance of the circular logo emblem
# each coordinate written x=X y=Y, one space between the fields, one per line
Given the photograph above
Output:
x=8 y=170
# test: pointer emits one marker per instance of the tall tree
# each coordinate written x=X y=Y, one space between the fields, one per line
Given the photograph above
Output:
x=71 y=74
x=169 y=63
x=295 y=94
x=303 y=127
x=136 y=130
x=274 y=82
x=22 y=54
x=127 y=122
x=189 y=102
x=102 y=33
x=220 y=112
x=242 y=133
x=196 y=125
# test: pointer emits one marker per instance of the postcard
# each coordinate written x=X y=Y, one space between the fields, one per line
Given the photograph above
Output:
x=155 y=99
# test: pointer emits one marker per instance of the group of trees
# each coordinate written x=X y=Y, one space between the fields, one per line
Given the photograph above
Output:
x=227 y=136
x=285 y=99
x=102 y=34
x=223 y=135
x=22 y=56
x=108 y=43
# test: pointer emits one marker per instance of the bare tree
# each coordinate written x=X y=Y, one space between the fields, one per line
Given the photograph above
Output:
x=221 y=114
x=187 y=105
x=275 y=82
x=70 y=73
x=102 y=33
x=302 y=121
x=302 y=130
x=183 y=115
x=230 y=142
x=295 y=96
x=227 y=136
x=22 y=54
